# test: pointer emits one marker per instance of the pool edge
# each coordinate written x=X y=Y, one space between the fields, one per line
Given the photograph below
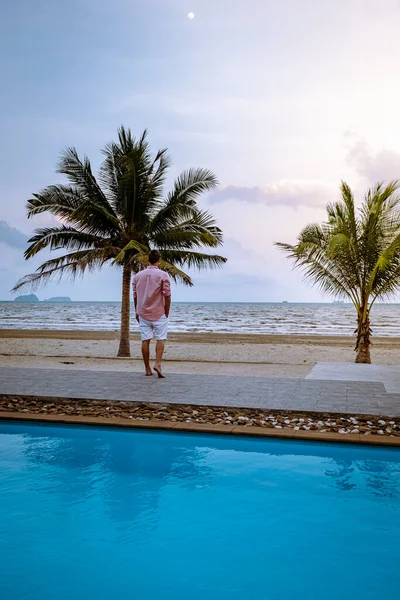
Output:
x=350 y=438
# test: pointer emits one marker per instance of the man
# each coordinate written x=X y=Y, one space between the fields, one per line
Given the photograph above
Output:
x=152 y=297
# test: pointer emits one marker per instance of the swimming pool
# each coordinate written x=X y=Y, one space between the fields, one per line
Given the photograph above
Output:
x=106 y=513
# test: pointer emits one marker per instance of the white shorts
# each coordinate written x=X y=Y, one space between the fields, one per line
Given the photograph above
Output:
x=158 y=328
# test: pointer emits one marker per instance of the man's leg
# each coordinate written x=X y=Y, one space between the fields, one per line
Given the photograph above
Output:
x=146 y=356
x=160 y=329
x=159 y=353
x=146 y=333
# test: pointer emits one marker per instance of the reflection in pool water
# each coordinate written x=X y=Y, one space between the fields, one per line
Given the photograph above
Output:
x=106 y=513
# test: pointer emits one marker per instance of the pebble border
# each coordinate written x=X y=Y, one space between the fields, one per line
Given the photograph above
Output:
x=247 y=421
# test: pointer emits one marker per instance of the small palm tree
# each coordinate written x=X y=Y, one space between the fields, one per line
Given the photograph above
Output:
x=355 y=254
x=120 y=216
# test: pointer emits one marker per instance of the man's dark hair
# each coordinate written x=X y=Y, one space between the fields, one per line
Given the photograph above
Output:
x=154 y=257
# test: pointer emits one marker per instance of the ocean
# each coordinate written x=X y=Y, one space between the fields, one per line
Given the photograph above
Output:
x=247 y=318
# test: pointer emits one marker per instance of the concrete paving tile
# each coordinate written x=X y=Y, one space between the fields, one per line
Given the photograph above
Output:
x=296 y=405
x=331 y=407
x=198 y=389
x=388 y=411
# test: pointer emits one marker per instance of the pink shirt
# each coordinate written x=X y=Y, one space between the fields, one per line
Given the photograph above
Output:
x=150 y=287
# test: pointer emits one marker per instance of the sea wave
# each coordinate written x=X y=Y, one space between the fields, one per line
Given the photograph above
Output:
x=268 y=318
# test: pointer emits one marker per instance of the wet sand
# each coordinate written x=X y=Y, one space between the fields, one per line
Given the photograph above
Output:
x=200 y=338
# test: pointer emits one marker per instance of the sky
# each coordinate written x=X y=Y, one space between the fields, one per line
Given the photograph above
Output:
x=281 y=100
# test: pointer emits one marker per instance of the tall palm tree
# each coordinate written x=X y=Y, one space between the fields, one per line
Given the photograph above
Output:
x=355 y=254
x=120 y=216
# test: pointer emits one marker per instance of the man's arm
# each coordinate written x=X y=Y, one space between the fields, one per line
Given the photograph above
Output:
x=135 y=302
x=167 y=305
x=166 y=292
x=135 y=297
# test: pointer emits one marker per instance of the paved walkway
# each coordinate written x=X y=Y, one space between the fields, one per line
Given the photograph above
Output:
x=213 y=390
x=388 y=375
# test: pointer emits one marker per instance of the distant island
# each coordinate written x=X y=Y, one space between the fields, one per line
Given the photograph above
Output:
x=58 y=299
x=34 y=298
x=27 y=298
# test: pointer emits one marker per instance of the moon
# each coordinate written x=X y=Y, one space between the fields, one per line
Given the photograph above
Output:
x=191 y=16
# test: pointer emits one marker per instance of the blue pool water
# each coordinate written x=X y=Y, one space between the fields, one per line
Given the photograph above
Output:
x=94 y=513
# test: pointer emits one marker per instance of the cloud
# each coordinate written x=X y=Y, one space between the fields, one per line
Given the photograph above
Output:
x=12 y=237
x=245 y=277
x=372 y=165
x=240 y=255
x=285 y=192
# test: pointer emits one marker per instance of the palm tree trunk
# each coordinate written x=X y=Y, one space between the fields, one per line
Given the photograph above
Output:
x=363 y=339
x=124 y=345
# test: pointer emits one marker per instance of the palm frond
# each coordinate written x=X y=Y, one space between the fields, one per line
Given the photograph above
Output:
x=377 y=212
x=59 y=200
x=181 y=201
x=199 y=230
x=79 y=173
x=176 y=274
x=190 y=259
x=384 y=280
x=55 y=238
x=191 y=184
x=73 y=264
x=138 y=176
x=324 y=271
x=110 y=172
x=94 y=212
x=386 y=287
x=132 y=245
x=157 y=176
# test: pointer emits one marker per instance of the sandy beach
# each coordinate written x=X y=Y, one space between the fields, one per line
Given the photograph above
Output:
x=266 y=355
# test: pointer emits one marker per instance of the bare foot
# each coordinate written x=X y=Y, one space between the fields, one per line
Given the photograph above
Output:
x=157 y=369
x=148 y=373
